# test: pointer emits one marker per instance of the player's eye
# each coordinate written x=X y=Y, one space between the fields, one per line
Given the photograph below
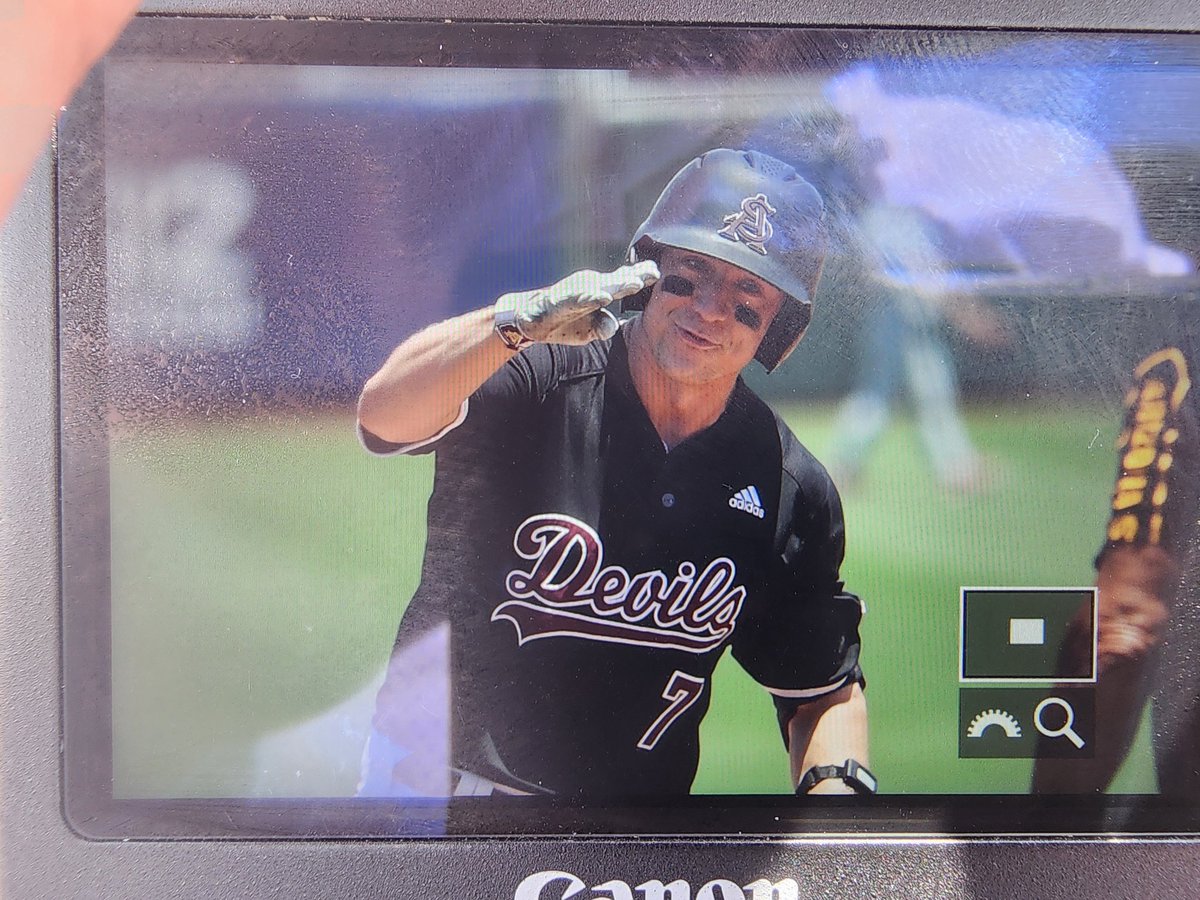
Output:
x=747 y=317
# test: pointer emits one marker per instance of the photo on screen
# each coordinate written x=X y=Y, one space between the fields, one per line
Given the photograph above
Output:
x=615 y=584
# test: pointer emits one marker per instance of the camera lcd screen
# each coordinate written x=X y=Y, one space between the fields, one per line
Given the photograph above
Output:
x=937 y=564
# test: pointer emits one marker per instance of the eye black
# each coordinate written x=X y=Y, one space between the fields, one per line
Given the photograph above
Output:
x=747 y=317
x=678 y=285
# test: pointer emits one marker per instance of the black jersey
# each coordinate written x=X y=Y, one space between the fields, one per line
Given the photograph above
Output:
x=591 y=580
x=1157 y=501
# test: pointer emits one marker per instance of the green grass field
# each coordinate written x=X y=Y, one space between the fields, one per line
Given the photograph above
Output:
x=260 y=569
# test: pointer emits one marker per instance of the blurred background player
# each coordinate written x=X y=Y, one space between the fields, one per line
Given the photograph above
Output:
x=905 y=349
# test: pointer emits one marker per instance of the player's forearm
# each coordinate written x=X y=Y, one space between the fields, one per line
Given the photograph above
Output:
x=828 y=732
x=421 y=387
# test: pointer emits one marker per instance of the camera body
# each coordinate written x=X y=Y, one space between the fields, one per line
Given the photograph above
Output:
x=45 y=856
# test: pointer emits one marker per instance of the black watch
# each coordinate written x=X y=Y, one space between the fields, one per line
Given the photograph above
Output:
x=852 y=772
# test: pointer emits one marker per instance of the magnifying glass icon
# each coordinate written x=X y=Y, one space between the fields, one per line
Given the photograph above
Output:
x=1064 y=730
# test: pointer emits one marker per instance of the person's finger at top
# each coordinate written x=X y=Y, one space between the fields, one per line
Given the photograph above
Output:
x=49 y=45
x=46 y=49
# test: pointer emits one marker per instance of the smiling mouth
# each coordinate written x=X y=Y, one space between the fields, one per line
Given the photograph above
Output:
x=695 y=339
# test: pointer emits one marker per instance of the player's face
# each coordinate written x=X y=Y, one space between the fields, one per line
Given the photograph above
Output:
x=706 y=317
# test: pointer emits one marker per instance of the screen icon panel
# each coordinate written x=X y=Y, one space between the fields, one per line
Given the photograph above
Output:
x=1052 y=722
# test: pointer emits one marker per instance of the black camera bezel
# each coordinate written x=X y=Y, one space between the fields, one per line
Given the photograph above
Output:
x=45 y=858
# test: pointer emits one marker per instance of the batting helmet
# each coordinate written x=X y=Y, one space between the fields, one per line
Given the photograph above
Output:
x=753 y=211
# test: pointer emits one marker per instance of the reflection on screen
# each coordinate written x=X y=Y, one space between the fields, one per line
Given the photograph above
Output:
x=1012 y=231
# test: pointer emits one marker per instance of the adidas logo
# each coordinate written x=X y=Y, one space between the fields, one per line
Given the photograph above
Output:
x=747 y=501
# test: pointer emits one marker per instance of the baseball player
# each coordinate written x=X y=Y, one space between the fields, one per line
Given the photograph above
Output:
x=1148 y=576
x=613 y=508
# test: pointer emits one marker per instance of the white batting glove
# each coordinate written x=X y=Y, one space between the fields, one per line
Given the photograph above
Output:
x=573 y=310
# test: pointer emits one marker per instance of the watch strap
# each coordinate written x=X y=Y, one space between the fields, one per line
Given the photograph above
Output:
x=851 y=772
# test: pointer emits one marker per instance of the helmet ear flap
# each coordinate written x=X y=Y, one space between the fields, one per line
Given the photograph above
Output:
x=637 y=302
x=784 y=333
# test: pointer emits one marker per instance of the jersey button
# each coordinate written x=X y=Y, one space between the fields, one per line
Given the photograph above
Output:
x=668 y=500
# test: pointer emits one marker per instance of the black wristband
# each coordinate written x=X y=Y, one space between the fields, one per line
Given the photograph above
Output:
x=851 y=772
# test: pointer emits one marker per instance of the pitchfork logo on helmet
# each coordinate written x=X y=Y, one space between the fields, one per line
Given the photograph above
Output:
x=750 y=224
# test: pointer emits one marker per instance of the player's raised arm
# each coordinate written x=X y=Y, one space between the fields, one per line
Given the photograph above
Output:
x=823 y=736
x=422 y=385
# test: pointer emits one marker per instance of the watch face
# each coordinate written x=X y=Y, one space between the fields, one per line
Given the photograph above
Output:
x=863 y=777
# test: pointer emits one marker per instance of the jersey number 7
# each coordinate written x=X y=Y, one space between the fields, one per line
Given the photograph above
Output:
x=681 y=692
